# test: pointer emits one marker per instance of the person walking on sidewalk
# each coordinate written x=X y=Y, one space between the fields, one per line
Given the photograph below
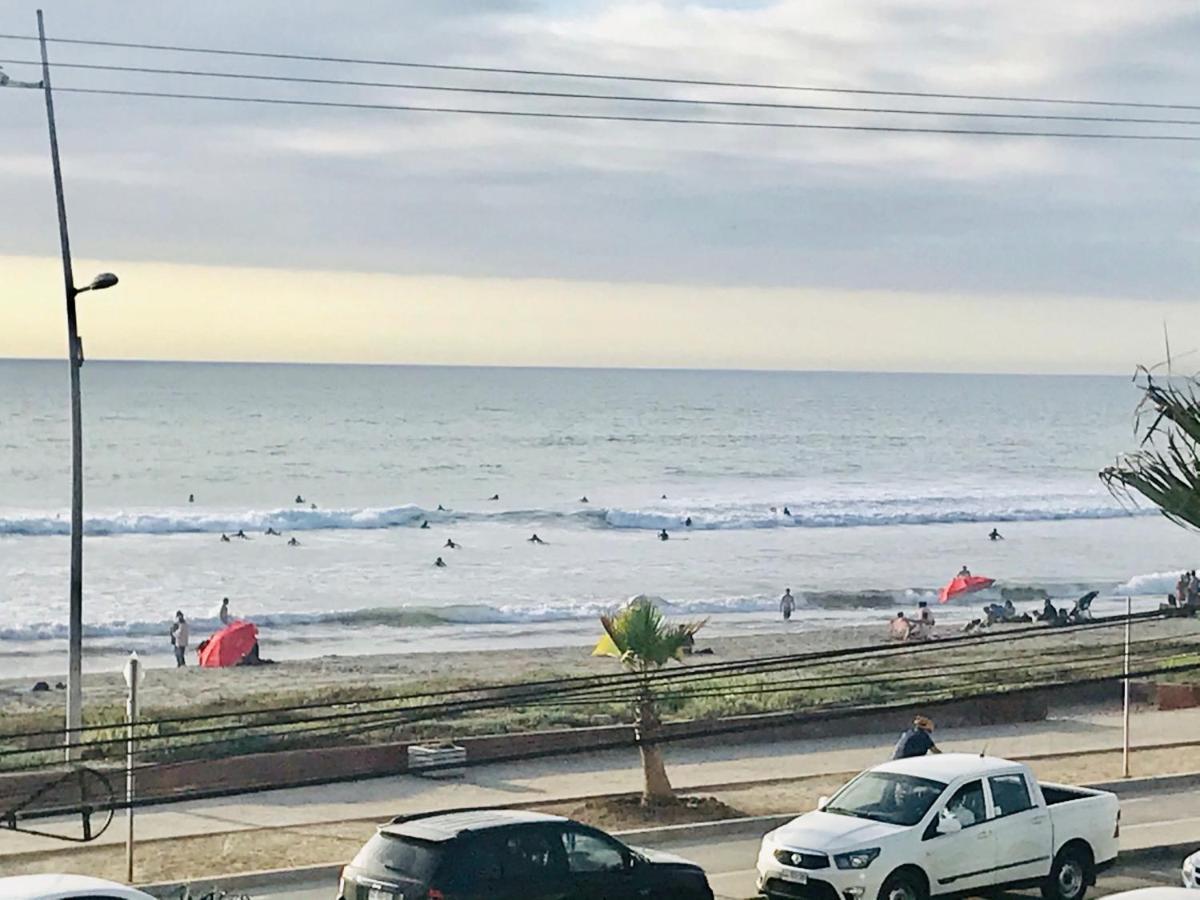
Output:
x=179 y=638
x=917 y=741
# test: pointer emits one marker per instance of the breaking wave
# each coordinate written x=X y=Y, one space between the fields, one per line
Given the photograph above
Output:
x=705 y=517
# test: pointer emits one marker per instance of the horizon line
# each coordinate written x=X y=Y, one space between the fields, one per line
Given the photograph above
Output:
x=560 y=368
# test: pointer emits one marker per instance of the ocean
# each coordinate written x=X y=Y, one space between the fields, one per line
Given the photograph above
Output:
x=892 y=483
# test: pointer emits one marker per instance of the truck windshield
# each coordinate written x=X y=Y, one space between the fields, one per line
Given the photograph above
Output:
x=887 y=797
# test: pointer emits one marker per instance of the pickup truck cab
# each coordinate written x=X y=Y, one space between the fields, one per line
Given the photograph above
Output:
x=942 y=825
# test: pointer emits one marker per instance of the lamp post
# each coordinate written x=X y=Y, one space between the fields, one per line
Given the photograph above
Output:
x=134 y=675
x=75 y=356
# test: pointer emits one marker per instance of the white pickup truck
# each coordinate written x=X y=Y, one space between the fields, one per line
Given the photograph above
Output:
x=939 y=825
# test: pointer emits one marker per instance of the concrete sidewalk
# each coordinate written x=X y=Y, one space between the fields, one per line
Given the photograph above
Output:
x=690 y=767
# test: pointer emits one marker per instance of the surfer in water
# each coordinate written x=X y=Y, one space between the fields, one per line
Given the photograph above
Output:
x=441 y=508
x=787 y=603
x=995 y=536
x=299 y=499
x=536 y=540
x=663 y=536
x=494 y=497
x=687 y=522
x=241 y=534
x=440 y=563
x=273 y=532
x=191 y=498
x=293 y=543
x=787 y=512
x=425 y=524
x=583 y=499
x=224 y=539
x=450 y=543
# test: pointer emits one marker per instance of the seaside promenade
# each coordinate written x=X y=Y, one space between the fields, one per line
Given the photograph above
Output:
x=1073 y=744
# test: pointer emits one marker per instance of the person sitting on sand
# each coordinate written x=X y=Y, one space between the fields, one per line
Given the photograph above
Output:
x=1181 y=589
x=663 y=536
x=272 y=531
x=995 y=536
x=299 y=499
x=922 y=628
x=293 y=542
x=964 y=572
x=900 y=628
x=450 y=543
x=1048 y=613
x=787 y=603
x=224 y=539
x=535 y=539
x=425 y=524
x=440 y=563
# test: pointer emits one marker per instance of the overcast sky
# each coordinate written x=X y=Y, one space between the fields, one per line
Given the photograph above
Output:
x=703 y=245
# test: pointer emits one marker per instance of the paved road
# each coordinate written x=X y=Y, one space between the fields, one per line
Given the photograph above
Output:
x=729 y=861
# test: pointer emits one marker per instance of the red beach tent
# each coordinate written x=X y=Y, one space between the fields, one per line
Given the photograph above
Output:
x=229 y=646
x=964 y=584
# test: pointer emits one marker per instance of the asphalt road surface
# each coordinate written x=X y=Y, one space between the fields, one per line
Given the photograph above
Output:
x=729 y=861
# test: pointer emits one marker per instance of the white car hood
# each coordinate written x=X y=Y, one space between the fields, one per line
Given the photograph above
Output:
x=832 y=833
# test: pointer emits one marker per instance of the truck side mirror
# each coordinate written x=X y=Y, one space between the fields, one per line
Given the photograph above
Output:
x=822 y=802
x=948 y=824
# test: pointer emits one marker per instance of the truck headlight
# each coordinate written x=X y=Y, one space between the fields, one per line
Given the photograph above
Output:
x=856 y=859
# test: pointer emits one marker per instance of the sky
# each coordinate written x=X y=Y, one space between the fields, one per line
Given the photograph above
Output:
x=317 y=234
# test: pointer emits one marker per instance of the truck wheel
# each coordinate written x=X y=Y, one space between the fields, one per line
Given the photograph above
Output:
x=1069 y=875
x=902 y=886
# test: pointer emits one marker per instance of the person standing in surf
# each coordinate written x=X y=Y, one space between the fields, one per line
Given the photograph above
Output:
x=179 y=639
x=787 y=603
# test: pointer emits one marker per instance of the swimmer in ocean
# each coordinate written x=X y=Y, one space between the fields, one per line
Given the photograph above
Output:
x=299 y=499
x=441 y=508
x=688 y=522
x=191 y=498
x=241 y=534
x=293 y=543
x=536 y=540
x=224 y=539
x=450 y=543
x=494 y=497
x=786 y=511
x=995 y=536
x=440 y=563
x=583 y=499
x=272 y=531
x=663 y=536
x=312 y=506
x=425 y=524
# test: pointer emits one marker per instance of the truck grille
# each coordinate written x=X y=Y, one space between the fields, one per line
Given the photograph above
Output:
x=814 y=890
x=802 y=859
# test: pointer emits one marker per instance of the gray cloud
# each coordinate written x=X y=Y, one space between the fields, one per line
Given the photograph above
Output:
x=415 y=193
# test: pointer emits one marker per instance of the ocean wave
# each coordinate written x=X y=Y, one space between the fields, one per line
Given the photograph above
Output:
x=1149 y=585
x=704 y=517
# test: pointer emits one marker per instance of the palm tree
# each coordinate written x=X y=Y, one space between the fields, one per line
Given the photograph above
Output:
x=644 y=641
x=1166 y=468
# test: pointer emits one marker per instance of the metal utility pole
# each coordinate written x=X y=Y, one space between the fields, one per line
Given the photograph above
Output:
x=75 y=356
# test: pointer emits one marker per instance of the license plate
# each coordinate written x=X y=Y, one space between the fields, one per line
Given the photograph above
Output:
x=788 y=875
x=381 y=894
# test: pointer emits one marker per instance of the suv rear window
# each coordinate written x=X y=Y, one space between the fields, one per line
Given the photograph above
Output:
x=399 y=855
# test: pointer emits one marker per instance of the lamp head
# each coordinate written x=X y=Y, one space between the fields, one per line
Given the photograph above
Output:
x=128 y=671
x=102 y=281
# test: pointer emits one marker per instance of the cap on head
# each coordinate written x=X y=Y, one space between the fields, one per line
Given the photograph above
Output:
x=925 y=724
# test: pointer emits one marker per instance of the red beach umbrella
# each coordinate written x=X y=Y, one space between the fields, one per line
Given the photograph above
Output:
x=964 y=584
x=229 y=646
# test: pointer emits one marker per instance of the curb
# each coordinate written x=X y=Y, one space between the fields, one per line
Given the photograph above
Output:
x=1152 y=784
x=719 y=828
x=247 y=881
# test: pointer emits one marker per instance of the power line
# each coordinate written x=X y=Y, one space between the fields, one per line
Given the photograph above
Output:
x=598 y=76
x=603 y=117
x=622 y=98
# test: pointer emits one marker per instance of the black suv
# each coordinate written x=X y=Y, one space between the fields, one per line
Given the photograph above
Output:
x=500 y=854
